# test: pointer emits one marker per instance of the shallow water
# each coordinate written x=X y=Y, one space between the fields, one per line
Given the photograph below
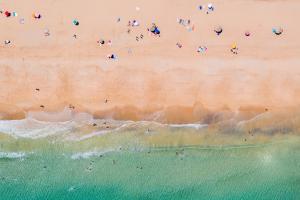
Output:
x=60 y=171
x=73 y=159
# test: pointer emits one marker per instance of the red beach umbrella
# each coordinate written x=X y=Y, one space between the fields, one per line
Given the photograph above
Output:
x=7 y=14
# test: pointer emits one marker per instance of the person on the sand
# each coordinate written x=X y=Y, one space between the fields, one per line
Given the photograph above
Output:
x=47 y=32
x=112 y=56
x=234 y=49
x=179 y=45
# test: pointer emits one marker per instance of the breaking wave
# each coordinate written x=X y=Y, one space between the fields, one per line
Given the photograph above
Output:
x=75 y=126
x=12 y=155
x=31 y=128
x=89 y=154
x=195 y=126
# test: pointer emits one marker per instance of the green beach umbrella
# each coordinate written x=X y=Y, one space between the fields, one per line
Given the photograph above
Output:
x=76 y=22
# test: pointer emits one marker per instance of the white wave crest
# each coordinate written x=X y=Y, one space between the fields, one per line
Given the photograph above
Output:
x=31 y=128
x=195 y=126
x=43 y=124
x=89 y=154
x=65 y=115
x=68 y=124
x=12 y=155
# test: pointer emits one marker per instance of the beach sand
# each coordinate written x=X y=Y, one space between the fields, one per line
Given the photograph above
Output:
x=152 y=79
x=158 y=122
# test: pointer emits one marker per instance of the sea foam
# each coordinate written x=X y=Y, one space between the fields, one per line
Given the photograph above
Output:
x=89 y=154
x=12 y=155
x=195 y=126
x=69 y=123
x=31 y=128
x=43 y=124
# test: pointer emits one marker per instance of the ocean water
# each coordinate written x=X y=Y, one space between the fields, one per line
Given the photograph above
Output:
x=268 y=171
x=72 y=159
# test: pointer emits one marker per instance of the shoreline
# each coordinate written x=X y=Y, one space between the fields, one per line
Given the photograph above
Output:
x=71 y=127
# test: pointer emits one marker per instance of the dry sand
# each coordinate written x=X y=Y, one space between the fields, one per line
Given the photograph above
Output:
x=157 y=80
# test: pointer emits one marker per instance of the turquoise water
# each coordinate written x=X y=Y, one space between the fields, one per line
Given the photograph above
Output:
x=270 y=171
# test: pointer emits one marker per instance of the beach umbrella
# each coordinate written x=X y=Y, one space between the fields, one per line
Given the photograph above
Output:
x=7 y=42
x=201 y=49
x=218 y=30
x=135 y=23
x=76 y=22
x=36 y=15
x=156 y=31
x=7 y=14
x=233 y=46
x=152 y=29
x=278 y=30
x=101 y=42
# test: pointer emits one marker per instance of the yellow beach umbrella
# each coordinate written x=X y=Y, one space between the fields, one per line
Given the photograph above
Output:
x=233 y=46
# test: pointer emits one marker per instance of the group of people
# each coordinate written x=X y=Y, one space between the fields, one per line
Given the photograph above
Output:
x=153 y=30
x=210 y=8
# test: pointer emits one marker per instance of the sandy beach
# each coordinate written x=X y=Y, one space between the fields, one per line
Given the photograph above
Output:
x=151 y=79
x=149 y=99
